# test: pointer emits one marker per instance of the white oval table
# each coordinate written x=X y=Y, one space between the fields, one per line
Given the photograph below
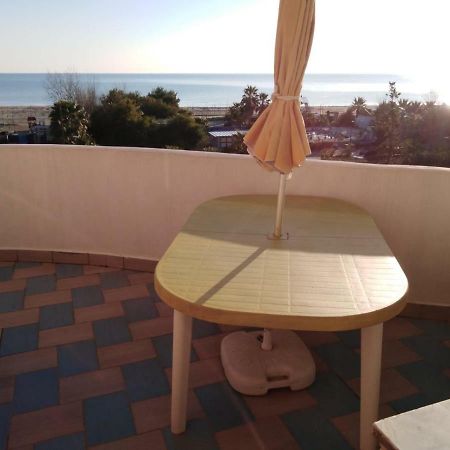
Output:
x=334 y=271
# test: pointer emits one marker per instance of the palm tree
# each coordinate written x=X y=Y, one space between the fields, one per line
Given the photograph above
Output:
x=359 y=107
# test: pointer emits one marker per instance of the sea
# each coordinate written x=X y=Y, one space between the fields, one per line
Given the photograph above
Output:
x=209 y=90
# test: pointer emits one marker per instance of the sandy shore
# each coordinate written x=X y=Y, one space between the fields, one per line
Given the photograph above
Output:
x=14 y=118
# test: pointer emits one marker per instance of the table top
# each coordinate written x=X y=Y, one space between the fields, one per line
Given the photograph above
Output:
x=333 y=272
x=421 y=429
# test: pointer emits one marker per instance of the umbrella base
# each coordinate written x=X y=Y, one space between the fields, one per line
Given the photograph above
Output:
x=253 y=371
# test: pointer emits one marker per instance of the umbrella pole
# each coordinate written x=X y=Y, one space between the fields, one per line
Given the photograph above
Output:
x=280 y=205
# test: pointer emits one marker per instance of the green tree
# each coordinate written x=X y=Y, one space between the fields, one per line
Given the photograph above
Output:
x=359 y=107
x=69 y=124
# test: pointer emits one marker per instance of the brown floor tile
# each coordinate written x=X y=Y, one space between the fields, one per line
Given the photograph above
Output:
x=75 y=282
x=128 y=352
x=49 y=298
x=125 y=293
x=349 y=425
x=65 y=335
x=208 y=347
x=315 y=338
x=279 y=401
x=321 y=365
x=34 y=256
x=154 y=413
x=144 y=265
x=447 y=343
x=395 y=353
x=70 y=258
x=393 y=386
x=28 y=362
x=16 y=318
x=6 y=389
x=8 y=255
x=151 y=328
x=91 y=384
x=205 y=371
x=89 y=270
x=398 y=328
x=163 y=309
x=46 y=424
x=148 y=441
x=267 y=433
x=140 y=278
x=6 y=263
x=447 y=372
x=25 y=447
x=12 y=285
x=97 y=312
x=43 y=269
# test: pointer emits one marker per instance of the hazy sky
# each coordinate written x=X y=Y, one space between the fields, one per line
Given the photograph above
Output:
x=364 y=36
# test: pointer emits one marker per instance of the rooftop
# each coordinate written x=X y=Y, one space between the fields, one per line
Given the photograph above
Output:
x=85 y=363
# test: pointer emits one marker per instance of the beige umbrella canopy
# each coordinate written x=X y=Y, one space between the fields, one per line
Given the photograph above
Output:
x=278 y=138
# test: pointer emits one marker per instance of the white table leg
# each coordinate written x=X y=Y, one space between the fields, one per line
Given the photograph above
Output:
x=371 y=347
x=182 y=336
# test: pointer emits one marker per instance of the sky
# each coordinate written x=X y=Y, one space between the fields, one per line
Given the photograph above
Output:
x=406 y=37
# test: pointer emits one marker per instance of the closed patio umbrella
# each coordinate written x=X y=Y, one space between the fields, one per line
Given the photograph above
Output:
x=278 y=137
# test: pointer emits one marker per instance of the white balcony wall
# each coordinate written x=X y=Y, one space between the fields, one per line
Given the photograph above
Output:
x=132 y=202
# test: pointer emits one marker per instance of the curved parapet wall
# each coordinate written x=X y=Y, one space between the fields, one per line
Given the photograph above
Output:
x=131 y=202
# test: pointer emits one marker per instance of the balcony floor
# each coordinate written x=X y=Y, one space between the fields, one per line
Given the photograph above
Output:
x=85 y=362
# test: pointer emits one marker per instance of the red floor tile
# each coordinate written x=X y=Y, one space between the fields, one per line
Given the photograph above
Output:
x=268 y=433
x=16 y=318
x=139 y=264
x=125 y=293
x=65 y=335
x=154 y=413
x=148 y=441
x=279 y=401
x=28 y=362
x=45 y=424
x=151 y=328
x=140 y=278
x=393 y=386
x=208 y=347
x=90 y=384
x=75 y=282
x=12 y=285
x=398 y=328
x=6 y=389
x=314 y=338
x=49 y=298
x=43 y=269
x=205 y=371
x=97 y=312
x=8 y=255
x=164 y=310
x=128 y=352
x=395 y=353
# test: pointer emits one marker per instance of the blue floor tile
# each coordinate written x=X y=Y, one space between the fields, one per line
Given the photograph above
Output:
x=69 y=270
x=430 y=348
x=335 y=398
x=6 y=273
x=314 y=431
x=5 y=417
x=145 y=379
x=36 y=390
x=108 y=418
x=351 y=338
x=429 y=379
x=87 y=296
x=433 y=327
x=139 y=309
x=111 y=331
x=11 y=301
x=163 y=346
x=224 y=407
x=152 y=292
x=342 y=360
x=200 y=329
x=198 y=436
x=41 y=285
x=410 y=402
x=69 y=442
x=110 y=280
x=77 y=358
x=19 y=339
x=54 y=316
